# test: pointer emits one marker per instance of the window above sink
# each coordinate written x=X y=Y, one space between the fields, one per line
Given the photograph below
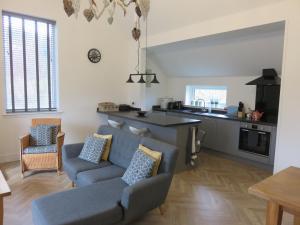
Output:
x=206 y=96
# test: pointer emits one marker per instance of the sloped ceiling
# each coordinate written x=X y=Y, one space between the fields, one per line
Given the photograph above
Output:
x=171 y=14
x=238 y=53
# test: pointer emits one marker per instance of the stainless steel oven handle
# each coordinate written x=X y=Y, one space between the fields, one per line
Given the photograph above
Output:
x=245 y=130
x=264 y=133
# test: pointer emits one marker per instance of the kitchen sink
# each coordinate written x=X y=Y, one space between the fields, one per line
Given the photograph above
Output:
x=196 y=110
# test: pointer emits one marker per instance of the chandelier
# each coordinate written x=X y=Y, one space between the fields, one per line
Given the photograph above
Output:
x=96 y=10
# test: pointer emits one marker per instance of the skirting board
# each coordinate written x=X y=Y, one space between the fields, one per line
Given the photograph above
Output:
x=9 y=157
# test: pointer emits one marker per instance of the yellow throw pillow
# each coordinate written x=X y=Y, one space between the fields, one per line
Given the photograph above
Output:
x=107 y=145
x=153 y=154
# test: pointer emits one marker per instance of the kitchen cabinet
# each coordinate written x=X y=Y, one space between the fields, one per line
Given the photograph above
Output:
x=223 y=135
x=209 y=125
x=227 y=136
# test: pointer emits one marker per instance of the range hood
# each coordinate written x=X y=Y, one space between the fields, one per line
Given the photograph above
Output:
x=269 y=77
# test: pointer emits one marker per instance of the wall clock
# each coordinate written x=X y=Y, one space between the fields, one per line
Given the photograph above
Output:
x=94 y=55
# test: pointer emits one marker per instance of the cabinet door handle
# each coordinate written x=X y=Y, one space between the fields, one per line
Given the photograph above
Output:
x=245 y=130
x=264 y=133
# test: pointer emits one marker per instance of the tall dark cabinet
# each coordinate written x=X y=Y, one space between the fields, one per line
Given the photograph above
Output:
x=267 y=101
x=267 y=94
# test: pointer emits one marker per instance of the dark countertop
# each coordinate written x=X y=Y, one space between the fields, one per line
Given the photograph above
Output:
x=217 y=116
x=155 y=119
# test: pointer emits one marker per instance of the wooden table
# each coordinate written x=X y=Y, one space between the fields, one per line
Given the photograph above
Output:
x=282 y=191
x=4 y=191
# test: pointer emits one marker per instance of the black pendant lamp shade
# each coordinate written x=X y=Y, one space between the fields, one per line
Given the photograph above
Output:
x=130 y=80
x=142 y=81
x=154 y=81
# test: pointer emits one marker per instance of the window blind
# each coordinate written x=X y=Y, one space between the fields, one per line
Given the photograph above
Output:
x=30 y=63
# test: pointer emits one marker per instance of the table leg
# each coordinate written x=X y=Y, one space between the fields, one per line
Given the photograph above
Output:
x=296 y=220
x=274 y=214
x=1 y=211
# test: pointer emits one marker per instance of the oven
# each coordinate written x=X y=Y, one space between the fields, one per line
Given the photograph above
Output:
x=255 y=138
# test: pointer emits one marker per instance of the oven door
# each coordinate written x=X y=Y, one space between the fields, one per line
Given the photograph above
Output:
x=255 y=141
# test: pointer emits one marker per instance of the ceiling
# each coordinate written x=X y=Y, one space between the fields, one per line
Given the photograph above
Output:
x=238 y=53
x=172 y=14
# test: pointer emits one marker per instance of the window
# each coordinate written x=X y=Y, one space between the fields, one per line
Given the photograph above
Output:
x=30 y=63
x=213 y=96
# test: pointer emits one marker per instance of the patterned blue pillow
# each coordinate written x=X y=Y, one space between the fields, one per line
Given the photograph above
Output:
x=41 y=135
x=93 y=149
x=54 y=133
x=140 y=168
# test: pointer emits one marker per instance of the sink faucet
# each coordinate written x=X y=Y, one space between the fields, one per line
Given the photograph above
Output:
x=202 y=100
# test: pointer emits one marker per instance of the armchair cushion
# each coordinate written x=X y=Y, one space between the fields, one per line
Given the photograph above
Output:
x=93 y=149
x=41 y=135
x=40 y=149
x=55 y=131
x=140 y=168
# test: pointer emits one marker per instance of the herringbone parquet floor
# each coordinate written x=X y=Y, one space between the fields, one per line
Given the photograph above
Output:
x=213 y=194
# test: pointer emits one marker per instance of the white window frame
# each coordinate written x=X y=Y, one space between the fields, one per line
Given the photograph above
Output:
x=190 y=94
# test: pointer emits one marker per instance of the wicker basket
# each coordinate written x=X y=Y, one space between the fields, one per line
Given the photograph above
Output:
x=108 y=107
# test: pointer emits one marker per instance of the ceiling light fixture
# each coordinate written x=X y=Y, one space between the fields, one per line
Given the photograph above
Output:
x=146 y=74
x=96 y=10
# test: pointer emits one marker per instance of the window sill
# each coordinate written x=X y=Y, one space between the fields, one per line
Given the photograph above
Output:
x=22 y=114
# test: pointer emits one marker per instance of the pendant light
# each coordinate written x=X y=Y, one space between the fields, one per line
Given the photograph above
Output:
x=154 y=81
x=142 y=81
x=130 y=80
x=141 y=75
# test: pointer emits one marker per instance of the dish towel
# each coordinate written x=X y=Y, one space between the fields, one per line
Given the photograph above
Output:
x=195 y=138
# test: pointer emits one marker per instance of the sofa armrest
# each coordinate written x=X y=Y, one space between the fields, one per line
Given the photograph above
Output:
x=71 y=151
x=24 y=142
x=145 y=195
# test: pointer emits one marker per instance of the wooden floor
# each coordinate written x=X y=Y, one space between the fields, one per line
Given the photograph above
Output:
x=213 y=194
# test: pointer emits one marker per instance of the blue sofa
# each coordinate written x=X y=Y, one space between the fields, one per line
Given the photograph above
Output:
x=101 y=197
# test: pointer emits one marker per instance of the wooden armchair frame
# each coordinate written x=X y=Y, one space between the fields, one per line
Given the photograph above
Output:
x=42 y=161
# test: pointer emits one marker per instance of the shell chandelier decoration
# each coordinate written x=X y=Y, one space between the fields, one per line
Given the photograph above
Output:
x=97 y=10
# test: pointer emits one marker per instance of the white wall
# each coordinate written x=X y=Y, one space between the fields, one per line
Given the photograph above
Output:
x=288 y=147
x=81 y=84
x=236 y=88
x=155 y=91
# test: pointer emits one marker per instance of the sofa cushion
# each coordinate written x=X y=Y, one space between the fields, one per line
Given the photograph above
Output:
x=41 y=135
x=140 y=168
x=93 y=149
x=96 y=175
x=107 y=145
x=155 y=155
x=123 y=146
x=75 y=165
x=96 y=204
x=169 y=154
x=40 y=149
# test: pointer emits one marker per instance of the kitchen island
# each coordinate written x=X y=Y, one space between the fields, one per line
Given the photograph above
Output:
x=174 y=130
